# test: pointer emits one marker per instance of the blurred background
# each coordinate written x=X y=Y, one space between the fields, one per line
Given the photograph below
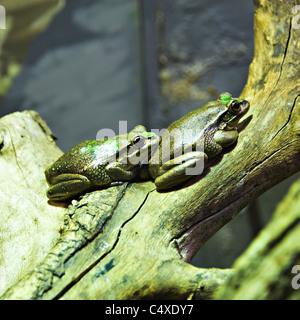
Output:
x=85 y=65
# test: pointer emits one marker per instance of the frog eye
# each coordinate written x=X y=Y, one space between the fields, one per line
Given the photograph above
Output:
x=235 y=106
x=138 y=141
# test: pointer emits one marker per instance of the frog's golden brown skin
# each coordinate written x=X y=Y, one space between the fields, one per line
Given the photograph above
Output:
x=99 y=163
x=213 y=126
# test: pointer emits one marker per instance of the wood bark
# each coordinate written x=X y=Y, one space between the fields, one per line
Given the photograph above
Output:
x=132 y=242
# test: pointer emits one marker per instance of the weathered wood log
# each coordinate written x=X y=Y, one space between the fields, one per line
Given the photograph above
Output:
x=265 y=270
x=29 y=227
x=132 y=242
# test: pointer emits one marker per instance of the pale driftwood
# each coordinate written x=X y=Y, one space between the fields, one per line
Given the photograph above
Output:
x=131 y=242
x=29 y=227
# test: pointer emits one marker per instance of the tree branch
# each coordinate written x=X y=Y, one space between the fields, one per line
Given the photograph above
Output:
x=264 y=271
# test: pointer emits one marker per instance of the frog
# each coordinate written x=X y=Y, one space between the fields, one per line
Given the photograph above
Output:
x=213 y=127
x=102 y=163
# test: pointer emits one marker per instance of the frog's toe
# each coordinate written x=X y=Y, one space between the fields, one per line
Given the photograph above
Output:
x=66 y=190
x=116 y=183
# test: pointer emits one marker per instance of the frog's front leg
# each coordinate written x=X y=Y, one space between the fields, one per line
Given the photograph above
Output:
x=176 y=171
x=67 y=185
x=121 y=172
x=225 y=138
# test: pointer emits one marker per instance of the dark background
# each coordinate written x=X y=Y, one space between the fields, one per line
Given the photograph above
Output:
x=147 y=62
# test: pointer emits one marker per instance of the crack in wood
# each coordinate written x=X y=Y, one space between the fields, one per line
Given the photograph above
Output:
x=289 y=117
x=86 y=271
x=177 y=241
x=283 y=59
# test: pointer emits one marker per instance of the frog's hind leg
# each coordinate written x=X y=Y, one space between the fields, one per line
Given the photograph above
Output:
x=173 y=174
x=66 y=186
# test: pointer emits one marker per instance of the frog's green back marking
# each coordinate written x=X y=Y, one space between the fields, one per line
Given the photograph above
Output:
x=225 y=98
x=112 y=143
x=93 y=146
x=90 y=148
x=148 y=134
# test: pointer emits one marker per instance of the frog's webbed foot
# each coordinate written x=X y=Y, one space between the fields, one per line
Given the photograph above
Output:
x=66 y=186
x=116 y=183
